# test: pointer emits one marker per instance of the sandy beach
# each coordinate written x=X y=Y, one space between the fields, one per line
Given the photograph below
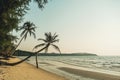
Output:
x=25 y=71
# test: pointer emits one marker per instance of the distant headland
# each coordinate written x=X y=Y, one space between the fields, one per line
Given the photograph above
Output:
x=26 y=53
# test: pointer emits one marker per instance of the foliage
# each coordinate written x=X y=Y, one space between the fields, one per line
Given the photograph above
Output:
x=28 y=28
x=11 y=14
x=47 y=42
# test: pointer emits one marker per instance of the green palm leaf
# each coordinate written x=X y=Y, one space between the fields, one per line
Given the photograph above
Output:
x=48 y=41
x=55 y=41
x=42 y=40
x=39 y=45
x=33 y=34
x=28 y=28
x=56 y=47
x=24 y=31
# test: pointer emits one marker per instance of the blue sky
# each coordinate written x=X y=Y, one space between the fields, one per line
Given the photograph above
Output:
x=83 y=25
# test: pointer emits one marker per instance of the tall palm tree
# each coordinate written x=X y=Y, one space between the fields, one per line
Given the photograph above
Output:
x=28 y=28
x=47 y=42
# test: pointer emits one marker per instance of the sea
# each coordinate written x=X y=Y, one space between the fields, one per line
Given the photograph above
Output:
x=102 y=64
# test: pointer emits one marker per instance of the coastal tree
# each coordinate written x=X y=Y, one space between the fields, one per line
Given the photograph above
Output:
x=47 y=42
x=7 y=44
x=28 y=28
x=11 y=14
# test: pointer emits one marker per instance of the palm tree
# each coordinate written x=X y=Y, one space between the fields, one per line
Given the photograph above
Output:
x=47 y=42
x=12 y=13
x=28 y=28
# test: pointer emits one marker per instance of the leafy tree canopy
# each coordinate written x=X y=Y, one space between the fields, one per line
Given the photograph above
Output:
x=11 y=14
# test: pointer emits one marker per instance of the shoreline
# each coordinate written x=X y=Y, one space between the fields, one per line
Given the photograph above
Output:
x=90 y=74
x=72 y=72
x=26 y=71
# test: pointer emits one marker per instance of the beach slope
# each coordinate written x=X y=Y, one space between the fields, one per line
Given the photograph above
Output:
x=25 y=71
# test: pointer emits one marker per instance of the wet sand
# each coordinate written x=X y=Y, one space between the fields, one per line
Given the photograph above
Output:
x=90 y=74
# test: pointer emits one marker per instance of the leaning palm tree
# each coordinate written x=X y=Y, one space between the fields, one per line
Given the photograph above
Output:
x=47 y=42
x=28 y=28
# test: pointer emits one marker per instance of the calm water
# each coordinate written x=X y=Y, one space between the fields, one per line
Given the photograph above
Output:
x=52 y=63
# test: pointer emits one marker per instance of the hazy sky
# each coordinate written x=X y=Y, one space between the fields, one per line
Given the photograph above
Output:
x=83 y=25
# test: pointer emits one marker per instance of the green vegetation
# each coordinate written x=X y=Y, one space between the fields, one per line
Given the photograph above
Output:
x=26 y=53
x=11 y=14
x=47 y=42
x=28 y=28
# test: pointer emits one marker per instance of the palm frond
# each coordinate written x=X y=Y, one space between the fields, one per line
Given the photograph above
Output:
x=49 y=40
x=42 y=40
x=23 y=33
x=33 y=34
x=29 y=32
x=33 y=29
x=55 y=36
x=46 y=35
x=39 y=45
x=56 y=47
x=55 y=41
x=26 y=24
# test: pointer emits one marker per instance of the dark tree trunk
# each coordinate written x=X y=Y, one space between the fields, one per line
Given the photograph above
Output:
x=12 y=53
x=13 y=64
x=36 y=58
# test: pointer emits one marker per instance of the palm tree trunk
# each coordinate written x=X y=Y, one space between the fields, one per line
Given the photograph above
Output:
x=13 y=64
x=36 y=53
x=41 y=50
x=12 y=53
x=16 y=63
x=36 y=58
x=46 y=50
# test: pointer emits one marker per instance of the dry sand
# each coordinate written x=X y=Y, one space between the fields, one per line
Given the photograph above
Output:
x=25 y=71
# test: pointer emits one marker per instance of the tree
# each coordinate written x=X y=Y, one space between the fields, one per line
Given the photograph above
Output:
x=7 y=44
x=50 y=39
x=47 y=42
x=11 y=14
x=28 y=28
